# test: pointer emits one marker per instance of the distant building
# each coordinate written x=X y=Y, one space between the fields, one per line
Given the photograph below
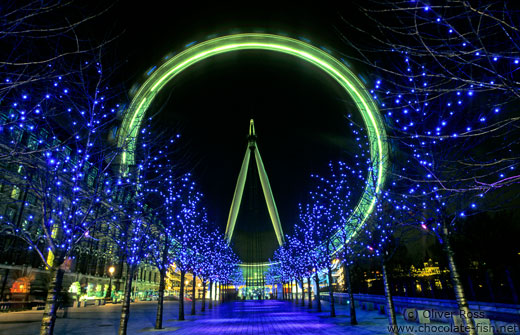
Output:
x=22 y=273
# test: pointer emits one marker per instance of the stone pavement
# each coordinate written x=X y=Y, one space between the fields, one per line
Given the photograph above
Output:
x=241 y=317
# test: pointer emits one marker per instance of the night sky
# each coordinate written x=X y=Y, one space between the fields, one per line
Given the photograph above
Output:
x=299 y=112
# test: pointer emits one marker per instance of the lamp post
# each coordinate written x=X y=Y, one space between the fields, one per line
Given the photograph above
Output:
x=111 y=270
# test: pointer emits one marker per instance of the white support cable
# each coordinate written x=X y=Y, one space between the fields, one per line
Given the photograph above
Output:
x=268 y=194
x=237 y=196
x=266 y=187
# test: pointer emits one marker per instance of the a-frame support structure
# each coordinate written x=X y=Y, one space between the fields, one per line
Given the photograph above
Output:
x=266 y=187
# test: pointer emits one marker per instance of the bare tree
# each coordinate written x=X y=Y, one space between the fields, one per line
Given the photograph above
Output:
x=448 y=88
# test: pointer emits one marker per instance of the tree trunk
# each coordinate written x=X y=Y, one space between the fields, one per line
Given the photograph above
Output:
x=389 y=302
x=289 y=290
x=303 y=293
x=4 y=283
x=203 y=295
x=471 y=288
x=294 y=291
x=457 y=285
x=160 y=300
x=432 y=289
x=125 y=311
x=226 y=291
x=309 y=291
x=331 y=294
x=51 y=304
x=210 y=294
x=162 y=274
x=353 y=319
x=317 y=290
x=181 y=296
x=489 y=284
x=405 y=287
x=512 y=288
x=194 y=298
x=296 y=297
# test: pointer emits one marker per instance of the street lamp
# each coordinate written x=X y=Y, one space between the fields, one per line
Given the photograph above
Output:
x=111 y=270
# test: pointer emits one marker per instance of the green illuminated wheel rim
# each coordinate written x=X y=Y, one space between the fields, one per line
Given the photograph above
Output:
x=319 y=58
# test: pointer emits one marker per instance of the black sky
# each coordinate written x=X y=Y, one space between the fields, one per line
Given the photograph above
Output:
x=299 y=112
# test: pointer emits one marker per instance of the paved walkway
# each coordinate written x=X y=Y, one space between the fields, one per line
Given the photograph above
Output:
x=248 y=317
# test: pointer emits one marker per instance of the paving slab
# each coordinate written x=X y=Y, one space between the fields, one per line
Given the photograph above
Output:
x=269 y=317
